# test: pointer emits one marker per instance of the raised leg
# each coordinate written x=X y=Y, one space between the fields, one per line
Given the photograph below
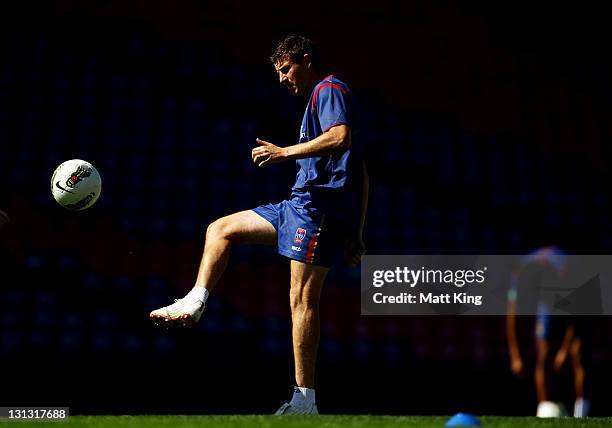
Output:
x=244 y=226
x=241 y=227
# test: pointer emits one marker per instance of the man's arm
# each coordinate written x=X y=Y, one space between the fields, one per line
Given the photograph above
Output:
x=516 y=362
x=364 y=198
x=357 y=247
x=336 y=139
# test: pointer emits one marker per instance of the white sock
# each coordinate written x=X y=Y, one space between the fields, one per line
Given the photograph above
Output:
x=198 y=293
x=302 y=396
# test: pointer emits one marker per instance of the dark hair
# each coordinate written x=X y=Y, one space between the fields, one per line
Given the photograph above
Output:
x=294 y=47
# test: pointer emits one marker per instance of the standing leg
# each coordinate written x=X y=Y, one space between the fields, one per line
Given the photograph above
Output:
x=541 y=377
x=578 y=367
x=546 y=408
x=306 y=284
x=581 y=405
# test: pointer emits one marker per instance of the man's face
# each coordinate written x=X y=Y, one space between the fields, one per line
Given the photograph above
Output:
x=293 y=75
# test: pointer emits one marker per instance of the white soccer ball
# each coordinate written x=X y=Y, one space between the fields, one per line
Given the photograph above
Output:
x=76 y=185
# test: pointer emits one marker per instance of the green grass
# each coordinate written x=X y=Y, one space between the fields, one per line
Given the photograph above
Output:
x=329 y=421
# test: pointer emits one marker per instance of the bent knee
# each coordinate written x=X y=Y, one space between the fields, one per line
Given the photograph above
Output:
x=221 y=228
x=574 y=349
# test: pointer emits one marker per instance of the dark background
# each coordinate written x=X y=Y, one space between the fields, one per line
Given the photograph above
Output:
x=487 y=125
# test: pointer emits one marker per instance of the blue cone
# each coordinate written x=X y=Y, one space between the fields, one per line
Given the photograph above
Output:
x=463 y=420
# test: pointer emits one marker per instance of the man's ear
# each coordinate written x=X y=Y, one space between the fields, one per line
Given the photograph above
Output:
x=307 y=61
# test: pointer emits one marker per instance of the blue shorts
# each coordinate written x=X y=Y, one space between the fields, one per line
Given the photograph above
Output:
x=548 y=326
x=307 y=233
x=543 y=326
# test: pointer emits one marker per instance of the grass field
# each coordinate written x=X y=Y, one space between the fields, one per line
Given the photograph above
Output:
x=337 y=421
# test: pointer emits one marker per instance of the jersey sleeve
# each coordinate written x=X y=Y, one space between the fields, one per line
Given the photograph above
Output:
x=332 y=106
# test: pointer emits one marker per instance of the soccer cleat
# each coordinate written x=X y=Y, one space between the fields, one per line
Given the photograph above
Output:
x=291 y=409
x=182 y=313
x=549 y=409
x=581 y=408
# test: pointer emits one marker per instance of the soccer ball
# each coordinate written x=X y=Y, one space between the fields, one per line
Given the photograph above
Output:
x=76 y=185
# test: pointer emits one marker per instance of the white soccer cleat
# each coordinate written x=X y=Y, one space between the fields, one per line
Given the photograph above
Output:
x=549 y=409
x=581 y=408
x=183 y=312
x=291 y=409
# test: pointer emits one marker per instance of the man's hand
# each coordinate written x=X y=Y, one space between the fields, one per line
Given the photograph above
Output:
x=267 y=153
x=516 y=365
x=354 y=248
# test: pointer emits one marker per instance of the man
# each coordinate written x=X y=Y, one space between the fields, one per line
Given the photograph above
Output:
x=545 y=267
x=321 y=222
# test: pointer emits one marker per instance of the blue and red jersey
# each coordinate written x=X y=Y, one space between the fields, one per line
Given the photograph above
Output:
x=324 y=208
x=330 y=104
x=551 y=256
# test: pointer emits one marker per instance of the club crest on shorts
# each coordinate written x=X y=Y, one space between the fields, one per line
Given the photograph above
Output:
x=300 y=234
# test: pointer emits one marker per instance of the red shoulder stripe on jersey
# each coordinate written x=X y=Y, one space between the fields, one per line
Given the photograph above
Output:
x=333 y=85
